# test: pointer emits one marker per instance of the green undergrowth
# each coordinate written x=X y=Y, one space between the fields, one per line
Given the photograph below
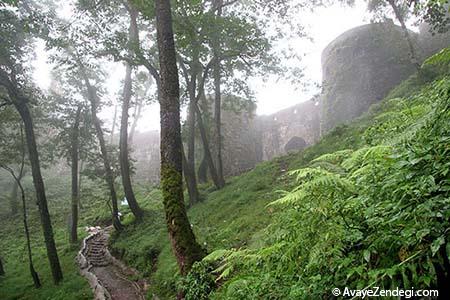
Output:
x=362 y=178
x=17 y=282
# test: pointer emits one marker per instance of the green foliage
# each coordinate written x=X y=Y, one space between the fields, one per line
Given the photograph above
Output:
x=380 y=217
x=17 y=282
x=199 y=283
x=441 y=58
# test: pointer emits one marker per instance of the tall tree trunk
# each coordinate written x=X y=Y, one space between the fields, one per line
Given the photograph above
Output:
x=191 y=181
x=208 y=156
x=74 y=167
x=218 y=97
x=109 y=177
x=123 y=145
x=108 y=171
x=189 y=162
x=38 y=182
x=183 y=242
x=113 y=128
x=412 y=52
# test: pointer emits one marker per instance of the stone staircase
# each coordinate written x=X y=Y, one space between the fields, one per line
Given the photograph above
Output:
x=96 y=251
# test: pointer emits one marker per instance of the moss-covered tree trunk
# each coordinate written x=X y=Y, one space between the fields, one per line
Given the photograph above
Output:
x=184 y=245
x=74 y=169
x=123 y=143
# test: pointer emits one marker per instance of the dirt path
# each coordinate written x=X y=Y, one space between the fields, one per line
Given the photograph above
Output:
x=106 y=275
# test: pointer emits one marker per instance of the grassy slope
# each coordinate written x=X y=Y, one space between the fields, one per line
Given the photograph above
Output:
x=236 y=216
x=17 y=284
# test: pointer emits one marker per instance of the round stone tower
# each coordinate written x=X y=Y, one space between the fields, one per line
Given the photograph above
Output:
x=359 y=68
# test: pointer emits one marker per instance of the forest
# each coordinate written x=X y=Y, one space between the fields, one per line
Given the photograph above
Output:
x=224 y=149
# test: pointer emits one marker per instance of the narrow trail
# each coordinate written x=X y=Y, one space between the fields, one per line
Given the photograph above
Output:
x=106 y=275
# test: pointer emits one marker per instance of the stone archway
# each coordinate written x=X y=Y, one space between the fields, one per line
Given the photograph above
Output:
x=295 y=144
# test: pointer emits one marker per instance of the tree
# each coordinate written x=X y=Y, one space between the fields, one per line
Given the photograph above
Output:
x=17 y=178
x=401 y=11
x=77 y=54
x=227 y=39
x=123 y=143
x=14 y=193
x=94 y=101
x=74 y=153
x=183 y=242
x=215 y=43
x=2 y=270
x=15 y=83
x=433 y=12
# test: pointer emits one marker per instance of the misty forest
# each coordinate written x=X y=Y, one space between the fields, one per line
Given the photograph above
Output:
x=224 y=149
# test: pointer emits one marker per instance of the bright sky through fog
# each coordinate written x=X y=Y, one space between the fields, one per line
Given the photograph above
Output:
x=323 y=26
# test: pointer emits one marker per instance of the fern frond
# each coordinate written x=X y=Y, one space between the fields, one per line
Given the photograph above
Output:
x=335 y=157
x=367 y=155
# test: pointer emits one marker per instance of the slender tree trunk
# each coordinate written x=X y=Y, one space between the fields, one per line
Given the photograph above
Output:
x=218 y=98
x=184 y=245
x=2 y=270
x=13 y=198
x=191 y=181
x=113 y=129
x=80 y=177
x=412 y=52
x=136 y=117
x=40 y=190
x=14 y=192
x=34 y=274
x=109 y=177
x=189 y=162
x=208 y=155
x=74 y=166
x=191 y=133
x=108 y=171
x=123 y=145
x=203 y=170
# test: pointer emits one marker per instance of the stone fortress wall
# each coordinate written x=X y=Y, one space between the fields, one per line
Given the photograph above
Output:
x=359 y=68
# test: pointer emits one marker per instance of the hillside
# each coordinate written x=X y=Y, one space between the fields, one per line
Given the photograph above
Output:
x=367 y=204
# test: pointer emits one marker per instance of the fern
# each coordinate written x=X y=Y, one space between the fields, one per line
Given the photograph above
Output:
x=335 y=158
x=367 y=155
x=442 y=58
